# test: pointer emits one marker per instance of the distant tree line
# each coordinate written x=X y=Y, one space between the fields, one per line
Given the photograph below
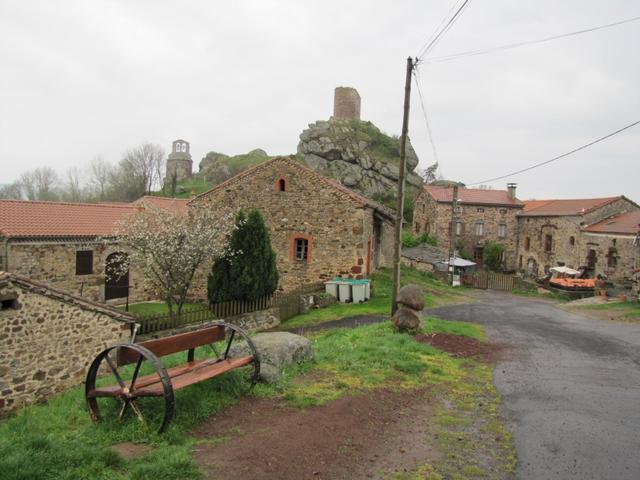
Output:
x=138 y=172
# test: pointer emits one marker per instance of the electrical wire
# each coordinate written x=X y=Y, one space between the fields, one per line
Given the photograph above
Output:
x=444 y=19
x=558 y=157
x=416 y=77
x=445 y=29
x=471 y=53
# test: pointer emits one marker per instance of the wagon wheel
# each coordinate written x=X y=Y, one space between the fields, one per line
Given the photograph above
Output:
x=130 y=379
x=237 y=343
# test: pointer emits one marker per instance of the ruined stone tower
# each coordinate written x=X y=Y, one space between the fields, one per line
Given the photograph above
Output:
x=179 y=163
x=346 y=103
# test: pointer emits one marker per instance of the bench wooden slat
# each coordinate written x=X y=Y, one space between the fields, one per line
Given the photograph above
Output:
x=197 y=375
x=175 y=343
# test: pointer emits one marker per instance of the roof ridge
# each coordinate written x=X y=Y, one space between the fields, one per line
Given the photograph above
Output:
x=80 y=204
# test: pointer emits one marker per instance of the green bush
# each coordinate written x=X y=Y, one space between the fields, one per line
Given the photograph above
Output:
x=493 y=252
x=250 y=271
x=410 y=240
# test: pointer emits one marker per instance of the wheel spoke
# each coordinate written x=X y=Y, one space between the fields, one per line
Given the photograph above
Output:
x=135 y=373
x=226 y=352
x=136 y=410
x=123 y=410
x=115 y=371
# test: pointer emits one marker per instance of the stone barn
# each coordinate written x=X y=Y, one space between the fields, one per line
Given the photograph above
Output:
x=48 y=338
x=319 y=228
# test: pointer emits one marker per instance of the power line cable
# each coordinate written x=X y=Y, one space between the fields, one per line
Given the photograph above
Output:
x=435 y=32
x=558 y=157
x=446 y=28
x=416 y=77
x=471 y=53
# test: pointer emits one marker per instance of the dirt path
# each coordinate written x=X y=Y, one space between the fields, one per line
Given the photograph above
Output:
x=359 y=437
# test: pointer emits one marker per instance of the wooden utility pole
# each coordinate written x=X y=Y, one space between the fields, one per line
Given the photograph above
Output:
x=452 y=231
x=397 y=244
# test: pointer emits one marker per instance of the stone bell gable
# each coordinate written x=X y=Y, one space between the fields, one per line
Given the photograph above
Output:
x=48 y=338
x=318 y=227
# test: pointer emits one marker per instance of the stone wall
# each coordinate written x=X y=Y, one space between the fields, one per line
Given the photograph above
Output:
x=47 y=341
x=625 y=270
x=337 y=227
x=54 y=263
x=434 y=218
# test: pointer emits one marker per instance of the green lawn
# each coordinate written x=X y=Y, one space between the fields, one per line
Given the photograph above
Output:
x=58 y=441
x=155 y=308
x=436 y=293
x=630 y=310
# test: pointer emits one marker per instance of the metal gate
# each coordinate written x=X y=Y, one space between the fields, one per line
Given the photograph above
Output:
x=489 y=280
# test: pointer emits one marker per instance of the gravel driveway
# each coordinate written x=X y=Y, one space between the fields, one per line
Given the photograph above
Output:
x=571 y=388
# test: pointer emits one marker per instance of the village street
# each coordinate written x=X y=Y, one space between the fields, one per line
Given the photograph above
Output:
x=570 y=386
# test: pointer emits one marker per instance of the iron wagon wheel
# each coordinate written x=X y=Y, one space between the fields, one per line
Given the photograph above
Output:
x=141 y=384
x=237 y=343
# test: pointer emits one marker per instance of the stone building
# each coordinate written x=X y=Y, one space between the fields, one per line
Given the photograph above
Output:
x=179 y=163
x=551 y=231
x=318 y=227
x=481 y=216
x=346 y=104
x=68 y=246
x=48 y=338
x=611 y=248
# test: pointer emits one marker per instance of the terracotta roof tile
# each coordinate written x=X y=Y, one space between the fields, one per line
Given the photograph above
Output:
x=627 y=223
x=174 y=205
x=23 y=218
x=573 y=206
x=474 y=196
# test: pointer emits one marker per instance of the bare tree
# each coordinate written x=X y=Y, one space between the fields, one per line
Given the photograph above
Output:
x=12 y=191
x=72 y=190
x=168 y=248
x=40 y=184
x=145 y=163
x=99 y=173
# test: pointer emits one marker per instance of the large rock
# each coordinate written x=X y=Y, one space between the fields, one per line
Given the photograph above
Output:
x=407 y=320
x=411 y=296
x=358 y=155
x=276 y=350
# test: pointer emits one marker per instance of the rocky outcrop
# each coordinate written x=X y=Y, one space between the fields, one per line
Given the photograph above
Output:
x=358 y=155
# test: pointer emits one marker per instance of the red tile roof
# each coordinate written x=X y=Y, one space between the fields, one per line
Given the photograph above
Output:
x=361 y=199
x=474 y=196
x=626 y=223
x=23 y=218
x=174 y=205
x=574 y=206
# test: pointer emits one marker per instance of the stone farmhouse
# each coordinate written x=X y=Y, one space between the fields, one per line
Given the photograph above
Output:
x=481 y=216
x=48 y=338
x=612 y=248
x=66 y=245
x=552 y=232
x=318 y=227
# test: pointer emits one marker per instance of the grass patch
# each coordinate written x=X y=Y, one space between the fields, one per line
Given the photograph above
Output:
x=436 y=293
x=561 y=297
x=155 y=308
x=629 y=311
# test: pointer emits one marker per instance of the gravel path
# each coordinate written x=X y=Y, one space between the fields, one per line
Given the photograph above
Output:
x=571 y=390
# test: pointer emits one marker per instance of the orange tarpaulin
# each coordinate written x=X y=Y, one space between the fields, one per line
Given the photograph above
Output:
x=574 y=282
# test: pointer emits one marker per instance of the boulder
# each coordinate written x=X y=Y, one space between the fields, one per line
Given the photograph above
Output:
x=276 y=350
x=411 y=296
x=407 y=320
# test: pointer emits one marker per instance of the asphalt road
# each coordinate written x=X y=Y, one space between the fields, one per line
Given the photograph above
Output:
x=571 y=387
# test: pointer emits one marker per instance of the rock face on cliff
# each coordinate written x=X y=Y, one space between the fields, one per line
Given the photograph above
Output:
x=358 y=155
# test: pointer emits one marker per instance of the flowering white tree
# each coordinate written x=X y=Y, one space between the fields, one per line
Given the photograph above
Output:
x=169 y=247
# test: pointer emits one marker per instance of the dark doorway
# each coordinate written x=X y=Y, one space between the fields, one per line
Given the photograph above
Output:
x=116 y=283
x=478 y=256
x=377 y=242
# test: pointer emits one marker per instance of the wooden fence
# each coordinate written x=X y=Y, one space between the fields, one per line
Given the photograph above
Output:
x=288 y=304
x=492 y=280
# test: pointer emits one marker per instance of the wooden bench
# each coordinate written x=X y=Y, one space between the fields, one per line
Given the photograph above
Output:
x=131 y=389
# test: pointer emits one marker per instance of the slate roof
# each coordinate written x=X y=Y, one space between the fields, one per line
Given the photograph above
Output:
x=562 y=207
x=347 y=192
x=474 y=196
x=37 y=219
x=626 y=223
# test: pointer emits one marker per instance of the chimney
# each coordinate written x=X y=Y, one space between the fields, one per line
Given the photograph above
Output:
x=511 y=189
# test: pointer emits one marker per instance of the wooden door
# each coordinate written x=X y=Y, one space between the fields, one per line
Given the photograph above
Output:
x=116 y=284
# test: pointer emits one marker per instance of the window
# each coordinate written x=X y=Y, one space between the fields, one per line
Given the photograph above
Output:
x=527 y=243
x=548 y=243
x=591 y=259
x=503 y=211
x=177 y=147
x=612 y=258
x=502 y=231
x=184 y=147
x=282 y=185
x=480 y=210
x=572 y=241
x=459 y=228
x=427 y=228
x=84 y=262
x=479 y=229
x=301 y=248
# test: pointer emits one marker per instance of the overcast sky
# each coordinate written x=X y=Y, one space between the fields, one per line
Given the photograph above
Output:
x=82 y=78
